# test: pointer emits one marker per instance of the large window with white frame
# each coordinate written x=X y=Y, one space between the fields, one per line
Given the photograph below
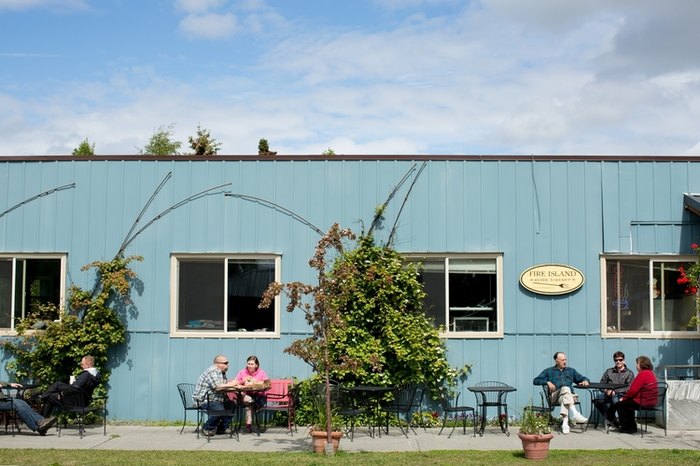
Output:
x=218 y=295
x=30 y=284
x=464 y=293
x=647 y=296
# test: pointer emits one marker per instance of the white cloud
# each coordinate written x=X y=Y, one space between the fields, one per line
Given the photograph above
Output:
x=209 y=25
x=199 y=6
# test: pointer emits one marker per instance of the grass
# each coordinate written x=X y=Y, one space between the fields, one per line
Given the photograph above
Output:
x=28 y=457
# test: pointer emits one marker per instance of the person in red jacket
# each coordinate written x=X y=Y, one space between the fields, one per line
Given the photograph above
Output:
x=642 y=393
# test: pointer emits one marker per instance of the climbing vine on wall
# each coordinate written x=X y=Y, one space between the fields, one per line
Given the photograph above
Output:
x=93 y=324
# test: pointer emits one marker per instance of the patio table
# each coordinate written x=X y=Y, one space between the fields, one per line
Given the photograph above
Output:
x=492 y=395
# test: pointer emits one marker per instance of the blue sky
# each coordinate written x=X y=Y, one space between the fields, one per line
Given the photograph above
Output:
x=359 y=76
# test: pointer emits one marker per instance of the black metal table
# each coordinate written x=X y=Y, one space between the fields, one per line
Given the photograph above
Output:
x=492 y=395
x=591 y=387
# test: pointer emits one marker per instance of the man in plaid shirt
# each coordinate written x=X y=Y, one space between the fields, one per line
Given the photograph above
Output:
x=559 y=379
x=212 y=378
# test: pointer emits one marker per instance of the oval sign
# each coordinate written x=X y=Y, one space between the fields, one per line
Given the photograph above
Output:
x=552 y=279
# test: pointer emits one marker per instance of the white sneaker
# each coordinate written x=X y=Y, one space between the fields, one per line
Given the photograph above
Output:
x=565 y=429
x=579 y=419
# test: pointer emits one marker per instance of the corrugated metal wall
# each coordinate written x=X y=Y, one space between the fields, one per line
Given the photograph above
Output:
x=533 y=211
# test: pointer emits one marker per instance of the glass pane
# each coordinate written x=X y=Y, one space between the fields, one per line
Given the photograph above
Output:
x=5 y=293
x=42 y=287
x=627 y=296
x=472 y=291
x=247 y=280
x=432 y=275
x=201 y=295
x=674 y=302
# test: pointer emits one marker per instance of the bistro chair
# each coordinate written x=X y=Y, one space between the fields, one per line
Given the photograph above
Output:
x=75 y=402
x=280 y=398
x=401 y=405
x=230 y=409
x=549 y=406
x=186 y=390
x=452 y=407
x=344 y=405
x=644 y=412
x=9 y=417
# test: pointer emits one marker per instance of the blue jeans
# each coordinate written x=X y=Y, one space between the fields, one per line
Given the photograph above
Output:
x=213 y=421
x=30 y=417
x=604 y=404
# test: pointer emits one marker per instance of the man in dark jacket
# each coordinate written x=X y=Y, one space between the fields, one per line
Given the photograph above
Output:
x=87 y=380
x=619 y=374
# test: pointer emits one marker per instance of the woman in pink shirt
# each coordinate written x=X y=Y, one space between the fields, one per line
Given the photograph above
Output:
x=642 y=393
x=251 y=375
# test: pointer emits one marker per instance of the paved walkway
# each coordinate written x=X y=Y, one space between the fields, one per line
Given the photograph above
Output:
x=277 y=439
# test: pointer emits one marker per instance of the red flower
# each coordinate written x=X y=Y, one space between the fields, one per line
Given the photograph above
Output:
x=694 y=246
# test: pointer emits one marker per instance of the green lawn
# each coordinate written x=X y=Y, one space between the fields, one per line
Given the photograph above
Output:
x=466 y=457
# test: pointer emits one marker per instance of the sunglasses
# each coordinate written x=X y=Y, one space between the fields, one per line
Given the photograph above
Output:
x=619 y=359
x=222 y=362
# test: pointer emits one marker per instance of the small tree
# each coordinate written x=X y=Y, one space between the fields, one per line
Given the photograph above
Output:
x=204 y=144
x=328 y=152
x=264 y=148
x=161 y=143
x=320 y=308
x=85 y=148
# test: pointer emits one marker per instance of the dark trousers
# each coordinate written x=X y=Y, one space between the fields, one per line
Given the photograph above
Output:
x=625 y=411
x=51 y=398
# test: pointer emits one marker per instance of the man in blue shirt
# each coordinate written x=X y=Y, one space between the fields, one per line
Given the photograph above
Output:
x=559 y=380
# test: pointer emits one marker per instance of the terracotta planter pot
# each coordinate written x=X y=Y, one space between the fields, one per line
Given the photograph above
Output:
x=320 y=439
x=535 y=447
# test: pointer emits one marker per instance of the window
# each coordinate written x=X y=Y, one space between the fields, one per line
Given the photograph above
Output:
x=464 y=293
x=219 y=295
x=644 y=296
x=28 y=285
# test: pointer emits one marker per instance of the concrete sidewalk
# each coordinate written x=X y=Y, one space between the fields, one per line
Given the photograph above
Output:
x=121 y=437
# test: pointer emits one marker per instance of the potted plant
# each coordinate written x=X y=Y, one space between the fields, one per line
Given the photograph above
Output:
x=535 y=434
x=319 y=424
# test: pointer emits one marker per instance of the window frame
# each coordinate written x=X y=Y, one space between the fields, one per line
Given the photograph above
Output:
x=62 y=257
x=215 y=333
x=648 y=260
x=500 y=312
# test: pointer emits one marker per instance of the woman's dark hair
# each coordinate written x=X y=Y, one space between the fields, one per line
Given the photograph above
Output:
x=645 y=363
x=253 y=358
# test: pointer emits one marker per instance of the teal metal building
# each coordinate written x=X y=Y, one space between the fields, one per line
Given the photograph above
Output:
x=214 y=231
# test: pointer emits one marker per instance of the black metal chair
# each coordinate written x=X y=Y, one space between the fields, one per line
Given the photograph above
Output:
x=229 y=408
x=9 y=416
x=660 y=407
x=75 y=402
x=343 y=402
x=401 y=405
x=549 y=406
x=186 y=390
x=452 y=407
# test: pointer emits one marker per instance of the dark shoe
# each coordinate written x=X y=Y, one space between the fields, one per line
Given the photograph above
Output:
x=628 y=430
x=249 y=428
x=221 y=430
x=45 y=424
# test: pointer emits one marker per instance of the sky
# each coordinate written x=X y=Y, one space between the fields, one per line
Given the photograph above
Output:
x=365 y=77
